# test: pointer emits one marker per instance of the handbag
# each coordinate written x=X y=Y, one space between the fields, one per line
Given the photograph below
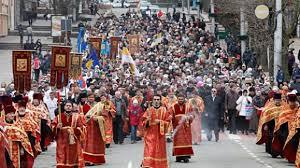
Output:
x=249 y=110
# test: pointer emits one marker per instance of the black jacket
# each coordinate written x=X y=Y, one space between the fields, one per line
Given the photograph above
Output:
x=213 y=108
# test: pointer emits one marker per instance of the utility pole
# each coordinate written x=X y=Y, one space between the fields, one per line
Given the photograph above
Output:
x=243 y=31
x=213 y=21
x=278 y=38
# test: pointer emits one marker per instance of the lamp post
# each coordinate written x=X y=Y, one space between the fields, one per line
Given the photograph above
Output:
x=278 y=38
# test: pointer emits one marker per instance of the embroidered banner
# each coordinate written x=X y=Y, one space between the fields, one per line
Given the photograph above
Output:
x=134 y=44
x=22 y=70
x=60 y=66
x=114 y=46
x=75 y=66
x=96 y=42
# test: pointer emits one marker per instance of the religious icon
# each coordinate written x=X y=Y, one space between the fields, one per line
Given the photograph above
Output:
x=21 y=65
x=75 y=60
x=115 y=43
x=96 y=45
x=60 y=60
x=134 y=41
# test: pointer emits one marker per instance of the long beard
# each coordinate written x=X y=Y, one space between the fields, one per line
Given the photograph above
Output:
x=68 y=112
x=22 y=115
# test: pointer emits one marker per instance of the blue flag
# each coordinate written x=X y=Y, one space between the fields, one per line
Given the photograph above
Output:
x=92 y=59
x=81 y=44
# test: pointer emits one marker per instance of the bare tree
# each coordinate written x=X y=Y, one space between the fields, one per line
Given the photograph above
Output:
x=260 y=32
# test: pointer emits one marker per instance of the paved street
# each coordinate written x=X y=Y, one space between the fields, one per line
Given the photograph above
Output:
x=230 y=152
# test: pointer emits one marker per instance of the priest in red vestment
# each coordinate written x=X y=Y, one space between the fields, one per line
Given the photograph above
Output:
x=20 y=148
x=109 y=112
x=281 y=129
x=4 y=146
x=291 y=147
x=94 y=150
x=84 y=106
x=32 y=129
x=4 y=150
x=41 y=116
x=182 y=120
x=156 y=121
x=68 y=129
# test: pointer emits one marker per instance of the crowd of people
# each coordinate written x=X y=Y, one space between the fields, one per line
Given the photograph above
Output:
x=184 y=81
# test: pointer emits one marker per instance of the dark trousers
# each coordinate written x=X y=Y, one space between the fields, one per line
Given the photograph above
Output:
x=232 y=120
x=21 y=40
x=212 y=125
x=30 y=21
x=45 y=131
x=269 y=141
x=36 y=74
x=29 y=36
x=243 y=123
x=118 y=129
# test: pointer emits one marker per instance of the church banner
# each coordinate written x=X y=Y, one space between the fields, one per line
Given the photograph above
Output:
x=134 y=44
x=114 y=46
x=22 y=70
x=60 y=66
x=96 y=43
x=75 y=66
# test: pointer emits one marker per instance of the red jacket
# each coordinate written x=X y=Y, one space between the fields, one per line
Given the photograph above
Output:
x=135 y=113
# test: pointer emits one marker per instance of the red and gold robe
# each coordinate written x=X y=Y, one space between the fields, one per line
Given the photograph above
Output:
x=4 y=150
x=281 y=129
x=41 y=116
x=182 y=142
x=33 y=131
x=270 y=113
x=109 y=112
x=290 y=148
x=85 y=108
x=169 y=102
x=19 y=146
x=140 y=100
x=69 y=140
x=94 y=150
x=196 y=105
x=155 y=152
x=297 y=162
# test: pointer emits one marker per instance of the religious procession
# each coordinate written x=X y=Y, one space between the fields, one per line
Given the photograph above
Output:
x=148 y=88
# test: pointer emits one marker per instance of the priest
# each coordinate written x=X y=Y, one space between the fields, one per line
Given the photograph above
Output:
x=68 y=129
x=156 y=121
x=182 y=120
x=94 y=150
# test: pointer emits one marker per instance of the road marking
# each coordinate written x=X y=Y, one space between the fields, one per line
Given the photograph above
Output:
x=237 y=139
x=129 y=164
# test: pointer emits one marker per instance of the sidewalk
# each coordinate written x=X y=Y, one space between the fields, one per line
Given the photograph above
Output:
x=44 y=40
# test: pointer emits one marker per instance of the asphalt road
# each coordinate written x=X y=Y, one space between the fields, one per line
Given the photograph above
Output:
x=230 y=152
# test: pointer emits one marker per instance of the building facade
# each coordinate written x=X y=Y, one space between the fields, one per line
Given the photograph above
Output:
x=4 y=17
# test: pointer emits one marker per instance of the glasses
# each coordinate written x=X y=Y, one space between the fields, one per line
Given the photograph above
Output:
x=156 y=99
x=214 y=91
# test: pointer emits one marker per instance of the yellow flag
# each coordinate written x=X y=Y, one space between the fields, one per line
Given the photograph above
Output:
x=89 y=64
